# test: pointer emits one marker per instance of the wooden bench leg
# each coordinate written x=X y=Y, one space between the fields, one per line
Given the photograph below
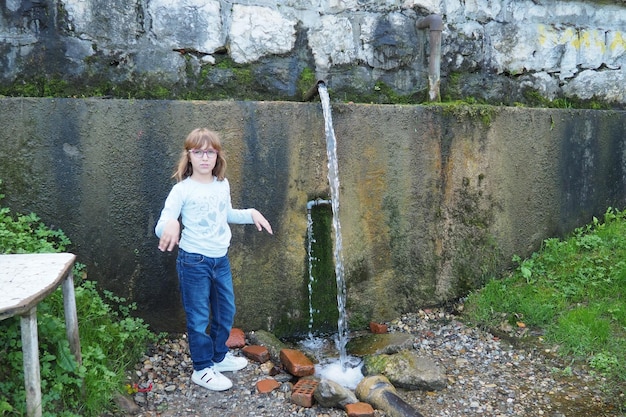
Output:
x=32 y=373
x=71 y=317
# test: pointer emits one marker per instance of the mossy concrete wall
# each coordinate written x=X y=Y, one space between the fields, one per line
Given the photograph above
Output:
x=434 y=199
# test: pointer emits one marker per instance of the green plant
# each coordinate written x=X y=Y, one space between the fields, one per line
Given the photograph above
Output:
x=111 y=339
x=306 y=80
x=574 y=289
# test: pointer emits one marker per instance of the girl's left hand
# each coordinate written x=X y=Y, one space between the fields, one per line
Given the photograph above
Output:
x=261 y=222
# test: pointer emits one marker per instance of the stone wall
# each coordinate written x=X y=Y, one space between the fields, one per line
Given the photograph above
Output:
x=500 y=51
x=434 y=199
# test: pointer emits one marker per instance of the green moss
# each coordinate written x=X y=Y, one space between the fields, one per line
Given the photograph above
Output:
x=357 y=319
x=535 y=99
x=228 y=80
x=462 y=110
x=324 y=286
x=306 y=80
x=381 y=93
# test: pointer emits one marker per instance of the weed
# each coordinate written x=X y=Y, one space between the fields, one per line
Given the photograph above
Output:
x=574 y=290
x=111 y=340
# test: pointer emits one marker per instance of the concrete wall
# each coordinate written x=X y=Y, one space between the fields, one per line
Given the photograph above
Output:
x=433 y=199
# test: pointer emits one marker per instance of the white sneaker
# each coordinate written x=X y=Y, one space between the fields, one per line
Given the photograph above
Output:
x=211 y=379
x=230 y=363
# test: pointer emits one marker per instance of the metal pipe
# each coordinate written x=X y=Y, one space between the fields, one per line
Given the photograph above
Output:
x=435 y=23
x=313 y=91
x=317 y=202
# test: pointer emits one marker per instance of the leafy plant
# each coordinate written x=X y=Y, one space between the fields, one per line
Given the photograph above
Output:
x=574 y=290
x=111 y=339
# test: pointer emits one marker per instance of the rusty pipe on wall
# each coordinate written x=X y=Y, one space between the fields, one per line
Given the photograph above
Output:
x=313 y=91
x=434 y=23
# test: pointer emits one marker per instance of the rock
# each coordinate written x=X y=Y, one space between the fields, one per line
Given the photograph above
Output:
x=268 y=368
x=371 y=344
x=258 y=31
x=126 y=404
x=380 y=393
x=331 y=394
x=406 y=370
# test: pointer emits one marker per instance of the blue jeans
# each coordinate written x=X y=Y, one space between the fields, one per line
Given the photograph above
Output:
x=206 y=287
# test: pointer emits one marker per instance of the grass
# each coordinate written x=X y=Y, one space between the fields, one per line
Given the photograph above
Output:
x=574 y=291
x=112 y=341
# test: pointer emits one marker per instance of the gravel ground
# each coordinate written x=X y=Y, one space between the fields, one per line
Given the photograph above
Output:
x=486 y=377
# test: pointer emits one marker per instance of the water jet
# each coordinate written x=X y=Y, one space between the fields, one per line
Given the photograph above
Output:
x=347 y=371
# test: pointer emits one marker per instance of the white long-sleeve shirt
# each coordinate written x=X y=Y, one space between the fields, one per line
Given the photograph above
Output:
x=205 y=210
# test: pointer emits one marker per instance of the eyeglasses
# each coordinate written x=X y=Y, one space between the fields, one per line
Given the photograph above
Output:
x=199 y=153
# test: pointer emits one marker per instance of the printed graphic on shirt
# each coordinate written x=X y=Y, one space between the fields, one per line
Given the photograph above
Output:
x=207 y=214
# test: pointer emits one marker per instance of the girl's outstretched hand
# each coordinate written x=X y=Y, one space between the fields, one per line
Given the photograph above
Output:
x=170 y=236
x=261 y=222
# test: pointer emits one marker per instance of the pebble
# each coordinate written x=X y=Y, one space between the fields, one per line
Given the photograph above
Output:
x=486 y=377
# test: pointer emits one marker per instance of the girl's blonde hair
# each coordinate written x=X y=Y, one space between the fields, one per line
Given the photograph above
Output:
x=199 y=139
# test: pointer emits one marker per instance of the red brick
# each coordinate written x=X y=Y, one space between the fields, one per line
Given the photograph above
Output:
x=237 y=339
x=296 y=363
x=378 y=328
x=256 y=353
x=265 y=386
x=303 y=391
x=359 y=410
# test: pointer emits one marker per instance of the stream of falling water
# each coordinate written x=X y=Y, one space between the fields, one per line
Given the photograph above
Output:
x=347 y=371
x=310 y=241
x=333 y=180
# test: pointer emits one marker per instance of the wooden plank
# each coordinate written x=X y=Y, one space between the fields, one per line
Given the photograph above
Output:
x=30 y=349
x=26 y=279
x=71 y=318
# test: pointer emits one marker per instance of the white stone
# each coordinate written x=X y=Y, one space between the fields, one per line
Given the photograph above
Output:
x=592 y=47
x=546 y=85
x=433 y=6
x=615 y=49
x=118 y=30
x=187 y=24
x=13 y=5
x=258 y=31
x=78 y=12
x=332 y=42
x=208 y=59
x=482 y=10
x=609 y=85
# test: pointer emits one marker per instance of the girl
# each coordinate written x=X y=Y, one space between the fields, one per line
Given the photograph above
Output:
x=201 y=198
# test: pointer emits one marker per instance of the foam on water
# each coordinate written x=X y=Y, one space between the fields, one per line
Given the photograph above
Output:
x=346 y=374
x=313 y=343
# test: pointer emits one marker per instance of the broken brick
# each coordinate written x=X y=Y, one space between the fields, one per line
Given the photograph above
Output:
x=303 y=391
x=237 y=339
x=296 y=363
x=256 y=353
x=265 y=386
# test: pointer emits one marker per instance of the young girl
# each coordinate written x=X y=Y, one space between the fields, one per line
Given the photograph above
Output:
x=201 y=198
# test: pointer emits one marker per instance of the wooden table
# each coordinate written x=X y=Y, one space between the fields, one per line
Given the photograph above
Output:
x=25 y=280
